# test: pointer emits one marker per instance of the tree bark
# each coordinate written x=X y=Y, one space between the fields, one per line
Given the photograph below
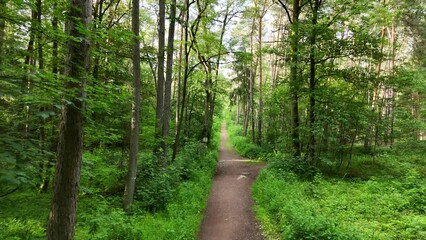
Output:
x=251 y=86
x=2 y=28
x=50 y=161
x=312 y=84
x=160 y=75
x=294 y=81
x=168 y=83
x=260 y=113
x=62 y=216
x=185 y=81
x=129 y=189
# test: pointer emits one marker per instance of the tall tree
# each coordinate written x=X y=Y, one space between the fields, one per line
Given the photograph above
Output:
x=168 y=81
x=160 y=74
x=136 y=105
x=315 y=5
x=62 y=216
x=262 y=9
x=186 y=72
x=294 y=71
x=2 y=27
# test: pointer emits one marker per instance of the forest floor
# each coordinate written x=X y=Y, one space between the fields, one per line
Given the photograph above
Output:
x=229 y=214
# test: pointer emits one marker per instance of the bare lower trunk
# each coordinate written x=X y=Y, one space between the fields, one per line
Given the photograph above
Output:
x=2 y=28
x=294 y=81
x=168 y=83
x=184 y=87
x=160 y=75
x=129 y=189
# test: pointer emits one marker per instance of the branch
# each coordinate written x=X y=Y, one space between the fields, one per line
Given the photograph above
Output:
x=286 y=10
x=332 y=20
x=303 y=4
x=14 y=190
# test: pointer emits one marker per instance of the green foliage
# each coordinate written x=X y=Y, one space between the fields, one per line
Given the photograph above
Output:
x=157 y=185
x=23 y=214
x=386 y=205
x=102 y=172
x=280 y=163
x=243 y=145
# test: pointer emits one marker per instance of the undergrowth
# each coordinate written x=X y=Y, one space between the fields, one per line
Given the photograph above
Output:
x=380 y=196
x=242 y=144
x=169 y=202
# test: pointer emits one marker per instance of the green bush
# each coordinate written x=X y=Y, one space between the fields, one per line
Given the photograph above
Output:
x=102 y=172
x=155 y=185
x=243 y=145
x=384 y=207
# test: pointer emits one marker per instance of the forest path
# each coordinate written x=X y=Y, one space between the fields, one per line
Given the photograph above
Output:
x=229 y=214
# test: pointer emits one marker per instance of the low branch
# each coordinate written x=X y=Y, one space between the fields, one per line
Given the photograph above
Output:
x=14 y=190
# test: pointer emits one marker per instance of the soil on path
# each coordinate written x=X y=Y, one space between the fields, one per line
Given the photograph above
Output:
x=229 y=214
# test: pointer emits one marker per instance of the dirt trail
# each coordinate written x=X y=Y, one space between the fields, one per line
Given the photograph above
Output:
x=229 y=214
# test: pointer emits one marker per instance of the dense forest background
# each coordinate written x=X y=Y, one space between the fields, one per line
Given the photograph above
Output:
x=120 y=101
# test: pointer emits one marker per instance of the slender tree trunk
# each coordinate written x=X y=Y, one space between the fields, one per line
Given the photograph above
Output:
x=129 y=190
x=2 y=28
x=168 y=83
x=246 y=104
x=312 y=84
x=185 y=81
x=237 y=118
x=62 y=216
x=98 y=17
x=372 y=126
x=251 y=87
x=178 y=95
x=29 y=60
x=55 y=52
x=160 y=75
x=50 y=162
x=294 y=81
x=42 y=132
x=207 y=106
x=260 y=113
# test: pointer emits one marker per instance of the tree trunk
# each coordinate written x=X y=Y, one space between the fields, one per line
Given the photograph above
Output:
x=129 y=190
x=50 y=162
x=2 y=28
x=312 y=85
x=178 y=95
x=251 y=86
x=237 y=118
x=294 y=81
x=43 y=108
x=62 y=216
x=185 y=81
x=29 y=60
x=160 y=75
x=168 y=83
x=260 y=113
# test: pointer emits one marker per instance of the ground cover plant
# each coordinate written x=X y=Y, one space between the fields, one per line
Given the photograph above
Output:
x=122 y=96
x=383 y=197
x=169 y=206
